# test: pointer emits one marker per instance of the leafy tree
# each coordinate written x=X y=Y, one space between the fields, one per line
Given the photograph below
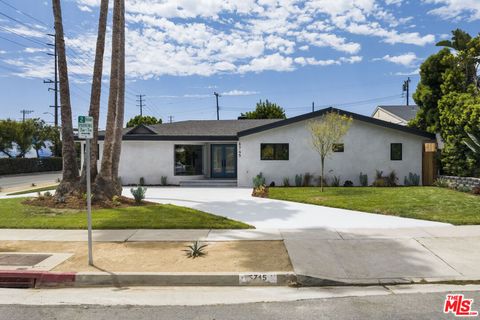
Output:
x=459 y=40
x=145 y=120
x=24 y=136
x=8 y=131
x=327 y=131
x=265 y=110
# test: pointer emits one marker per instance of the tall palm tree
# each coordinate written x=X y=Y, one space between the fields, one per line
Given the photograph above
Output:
x=69 y=182
x=104 y=183
x=96 y=91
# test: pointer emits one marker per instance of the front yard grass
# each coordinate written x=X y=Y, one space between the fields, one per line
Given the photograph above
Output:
x=427 y=203
x=14 y=214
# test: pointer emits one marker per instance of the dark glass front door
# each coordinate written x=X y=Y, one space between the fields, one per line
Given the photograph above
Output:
x=224 y=161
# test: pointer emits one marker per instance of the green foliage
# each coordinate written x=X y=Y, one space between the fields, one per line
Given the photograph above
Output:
x=8 y=132
x=389 y=180
x=116 y=201
x=258 y=180
x=47 y=194
x=307 y=179
x=413 y=179
x=298 y=180
x=335 y=181
x=286 y=182
x=363 y=179
x=472 y=142
x=265 y=110
x=138 y=194
x=145 y=120
x=442 y=183
x=29 y=165
x=195 y=250
x=348 y=183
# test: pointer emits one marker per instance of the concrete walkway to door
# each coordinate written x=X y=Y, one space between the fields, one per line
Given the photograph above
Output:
x=238 y=204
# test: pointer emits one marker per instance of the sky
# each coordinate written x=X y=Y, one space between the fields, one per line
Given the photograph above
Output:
x=350 y=54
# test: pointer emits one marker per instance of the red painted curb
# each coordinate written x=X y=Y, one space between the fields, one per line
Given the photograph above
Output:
x=38 y=278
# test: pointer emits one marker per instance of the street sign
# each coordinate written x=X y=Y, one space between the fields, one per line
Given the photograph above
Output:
x=85 y=127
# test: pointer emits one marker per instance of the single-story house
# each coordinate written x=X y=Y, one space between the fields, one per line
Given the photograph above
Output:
x=237 y=150
x=396 y=114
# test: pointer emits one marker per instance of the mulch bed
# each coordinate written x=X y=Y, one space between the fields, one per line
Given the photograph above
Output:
x=81 y=203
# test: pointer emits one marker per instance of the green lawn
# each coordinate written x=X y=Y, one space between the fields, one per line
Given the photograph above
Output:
x=14 y=214
x=428 y=203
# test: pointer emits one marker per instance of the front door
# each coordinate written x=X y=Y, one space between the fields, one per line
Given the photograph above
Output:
x=224 y=160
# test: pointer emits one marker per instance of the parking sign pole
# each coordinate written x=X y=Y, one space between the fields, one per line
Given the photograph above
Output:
x=89 y=202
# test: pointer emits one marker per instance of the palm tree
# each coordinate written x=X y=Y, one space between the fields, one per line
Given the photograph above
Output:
x=96 y=90
x=459 y=40
x=69 y=182
x=473 y=143
x=105 y=183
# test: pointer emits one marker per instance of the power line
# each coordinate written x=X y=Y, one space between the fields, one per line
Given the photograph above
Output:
x=22 y=36
x=22 y=12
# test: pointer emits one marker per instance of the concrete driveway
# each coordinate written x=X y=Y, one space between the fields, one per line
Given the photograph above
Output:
x=238 y=204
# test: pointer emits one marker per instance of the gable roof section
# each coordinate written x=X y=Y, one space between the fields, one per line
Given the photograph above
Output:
x=354 y=116
x=402 y=112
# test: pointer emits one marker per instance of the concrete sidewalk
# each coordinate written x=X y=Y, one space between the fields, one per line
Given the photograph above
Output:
x=328 y=256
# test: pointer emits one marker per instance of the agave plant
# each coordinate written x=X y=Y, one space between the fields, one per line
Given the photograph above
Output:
x=195 y=250
x=473 y=143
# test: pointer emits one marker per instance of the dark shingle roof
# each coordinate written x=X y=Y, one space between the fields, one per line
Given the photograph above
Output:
x=404 y=112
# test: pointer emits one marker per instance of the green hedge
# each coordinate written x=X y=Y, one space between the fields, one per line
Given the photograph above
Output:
x=28 y=165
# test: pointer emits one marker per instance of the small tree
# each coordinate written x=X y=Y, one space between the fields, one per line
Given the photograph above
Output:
x=8 y=132
x=265 y=110
x=326 y=132
x=145 y=120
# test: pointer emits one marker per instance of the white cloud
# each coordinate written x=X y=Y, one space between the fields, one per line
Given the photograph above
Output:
x=408 y=73
x=236 y=92
x=275 y=62
x=456 y=9
x=407 y=59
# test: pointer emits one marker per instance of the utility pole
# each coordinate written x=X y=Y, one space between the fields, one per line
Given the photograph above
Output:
x=141 y=102
x=24 y=113
x=218 y=108
x=313 y=106
x=406 y=88
x=54 y=82
x=170 y=119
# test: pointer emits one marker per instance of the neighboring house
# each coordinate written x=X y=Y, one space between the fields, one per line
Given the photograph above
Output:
x=396 y=114
x=240 y=149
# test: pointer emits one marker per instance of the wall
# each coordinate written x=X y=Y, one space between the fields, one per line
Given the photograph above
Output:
x=385 y=116
x=469 y=182
x=152 y=160
x=367 y=148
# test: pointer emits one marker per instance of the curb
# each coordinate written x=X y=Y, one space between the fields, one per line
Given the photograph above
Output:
x=35 y=279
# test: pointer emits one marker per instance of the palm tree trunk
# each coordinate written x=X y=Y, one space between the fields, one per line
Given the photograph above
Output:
x=69 y=182
x=96 y=91
x=104 y=185
x=117 y=146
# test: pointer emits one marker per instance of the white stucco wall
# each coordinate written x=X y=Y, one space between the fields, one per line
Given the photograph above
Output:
x=367 y=148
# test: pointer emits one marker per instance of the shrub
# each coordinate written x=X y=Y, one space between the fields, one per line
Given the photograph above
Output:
x=298 y=180
x=463 y=189
x=163 y=180
x=258 y=180
x=29 y=165
x=307 y=178
x=363 y=179
x=413 y=179
x=385 y=181
x=195 y=250
x=261 y=191
x=442 y=183
x=116 y=201
x=47 y=194
x=138 y=193
x=272 y=184
x=335 y=181
x=476 y=190
x=142 y=181
x=286 y=182
x=348 y=183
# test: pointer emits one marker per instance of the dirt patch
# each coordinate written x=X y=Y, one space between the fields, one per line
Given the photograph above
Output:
x=231 y=256
x=319 y=198
x=81 y=203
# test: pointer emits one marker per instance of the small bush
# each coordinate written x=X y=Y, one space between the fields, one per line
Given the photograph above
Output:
x=413 y=179
x=47 y=194
x=138 y=193
x=363 y=179
x=385 y=181
x=476 y=190
x=141 y=182
x=272 y=184
x=258 y=180
x=307 y=179
x=261 y=192
x=442 y=183
x=335 y=181
x=463 y=189
x=391 y=179
x=298 y=180
x=348 y=183
x=286 y=182
x=116 y=201
x=195 y=250
x=163 y=180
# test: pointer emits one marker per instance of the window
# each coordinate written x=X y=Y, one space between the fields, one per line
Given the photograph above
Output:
x=338 y=147
x=396 y=151
x=274 y=151
x=188 y=160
